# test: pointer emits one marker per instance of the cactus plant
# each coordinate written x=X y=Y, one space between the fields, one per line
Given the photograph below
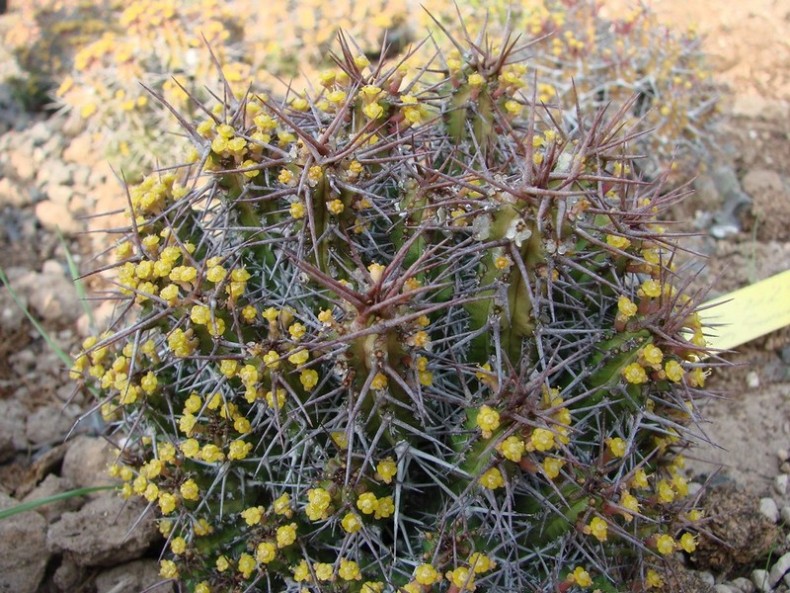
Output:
x=401 y=335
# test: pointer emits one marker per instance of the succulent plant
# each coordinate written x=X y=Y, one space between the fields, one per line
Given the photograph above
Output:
x=404 y=335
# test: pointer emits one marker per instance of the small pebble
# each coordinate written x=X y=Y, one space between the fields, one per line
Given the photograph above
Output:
x=752 y=380
x=769 y=509
x=784 y=514
x=785 y=467
x=760 y=580
x=725 y=589
x=694 y=488
x=781 y=483
x=707 y=577
x=779 y=569
x=743 y=584
x=783 y=454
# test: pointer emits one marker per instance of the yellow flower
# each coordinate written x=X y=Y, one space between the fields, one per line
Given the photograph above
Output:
x=617 y=242
x=308 y=378
x=635 y=374
x=167 y=502
x=511 y=448
x=246 y=565
x=323 y=571
x=299 y=357
x=265 y=552
x=628 y=501
x=384 y=508
x=253 y=515
x=367 y=503
x=598 y=528
x=426 y=574
x=552 y=467
x=492 y=479
x=282 y=505
x=674 y=371
x=271 y=359
x=481 y=563
x=617 y=446
x=581 y=577
x=462 y=578
x=349 y=570
x=651 y=354
x=626 y=307
x=189 y=490
x=688 y=543
x=168 y=569
x=386 y=469
x=541 y=439
x=665 y=544
x=373 y=110
x=665 y=492
x=239 y=449
x=653 y=580
x=379 y=382
x=301 y=572
x=335 y=206
x=297 y=331
x=351 y=523
x=650 y=288
x=475 y=79
x=640 y=479
x=222 y=564
x=487 y=420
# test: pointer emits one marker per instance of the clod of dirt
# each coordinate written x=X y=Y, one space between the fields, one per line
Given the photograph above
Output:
x=105 y=532
x=679 y=579
x=736 y=534
x=24 y=560
x=140 y=575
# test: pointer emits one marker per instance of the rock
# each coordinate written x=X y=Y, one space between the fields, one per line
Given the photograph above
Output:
x=105 y=532
x=52 y=485
x=68 y=575
x=706 y=577
x=20 y=164
x=760 y=580
x=49 y=424
x=783 y=454
x=13 y=195
x=769 y=203
x=12 y=428
x=86 y=461
x=724 y=589
x=51 y=294
x=60 y=194
x=780 y=568
x=785 y=467
x=769 y=509
x=782 y=484
x=25 y=555
x=140 y=575
x=743 y=584
x=784 y=514
x=55 y=173
x=82 y=151
x=53 y=216
x=754 y=106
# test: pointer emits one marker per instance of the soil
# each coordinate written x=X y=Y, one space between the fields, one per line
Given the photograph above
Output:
x=748 y=424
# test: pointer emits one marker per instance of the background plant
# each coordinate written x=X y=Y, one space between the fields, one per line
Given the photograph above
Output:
x=401 y=334
x=578 y=55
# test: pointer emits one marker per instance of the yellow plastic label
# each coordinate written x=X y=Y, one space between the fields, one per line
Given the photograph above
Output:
x=748 y=313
